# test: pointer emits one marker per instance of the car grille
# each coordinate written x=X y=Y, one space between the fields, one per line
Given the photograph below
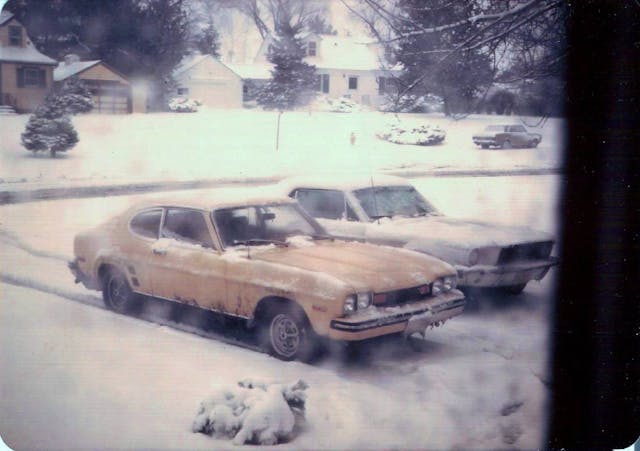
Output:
x=402 y=296
x=529 y=251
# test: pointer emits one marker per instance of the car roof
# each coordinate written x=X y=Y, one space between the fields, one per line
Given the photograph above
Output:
x=343 y=182
x=214 y=199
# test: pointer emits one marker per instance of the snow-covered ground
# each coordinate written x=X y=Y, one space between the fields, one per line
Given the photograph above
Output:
x=76 y=376
x=231 y=144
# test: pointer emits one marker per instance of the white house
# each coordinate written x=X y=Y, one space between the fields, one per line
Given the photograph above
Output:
x=346 y=67
x=205 y=78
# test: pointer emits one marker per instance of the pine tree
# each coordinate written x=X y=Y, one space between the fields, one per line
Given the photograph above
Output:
x=49 y=129
x=75 y=96
x=292 y=79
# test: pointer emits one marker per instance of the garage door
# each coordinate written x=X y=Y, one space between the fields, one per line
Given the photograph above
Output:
x=217 y=94
x=109 y=97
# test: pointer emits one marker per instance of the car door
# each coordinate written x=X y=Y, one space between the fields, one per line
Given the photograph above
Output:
x=519 y=136
x=144 y=229
x=333 y=210
x=186 y=263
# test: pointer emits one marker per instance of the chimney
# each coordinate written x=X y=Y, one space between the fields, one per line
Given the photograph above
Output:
x=71 y=58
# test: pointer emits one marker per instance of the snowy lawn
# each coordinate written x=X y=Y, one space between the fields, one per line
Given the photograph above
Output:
x=75 y=376
x=215 y=144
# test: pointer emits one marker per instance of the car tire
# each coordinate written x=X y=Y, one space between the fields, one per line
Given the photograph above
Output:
x=117 y=294
x=514 y=289
x=287 y=335
x=534 y=143
x=506 y=144
x=485 y=146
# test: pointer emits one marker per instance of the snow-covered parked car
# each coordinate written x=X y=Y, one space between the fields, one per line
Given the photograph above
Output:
x=264 y=260
x=506 y=136
x=389 y=210
x=422 y=135
x=184 y=105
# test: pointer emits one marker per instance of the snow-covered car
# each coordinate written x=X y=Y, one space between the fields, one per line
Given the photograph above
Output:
x=506 y=136
x=423 y=135
x=389 y=210
x=266 y=261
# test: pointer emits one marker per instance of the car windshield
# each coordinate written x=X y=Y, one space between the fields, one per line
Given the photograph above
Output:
x=264 y=224
x=494 y=128
x=389 y=201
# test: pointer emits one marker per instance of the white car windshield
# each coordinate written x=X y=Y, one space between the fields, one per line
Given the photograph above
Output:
x=494 y=128
x=389 y=201
x=264 y=224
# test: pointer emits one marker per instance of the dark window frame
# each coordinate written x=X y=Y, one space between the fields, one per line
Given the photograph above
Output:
x=353 y=83
x=15 y=36
x=207 y=243
x=136 y=232
x=312 y=48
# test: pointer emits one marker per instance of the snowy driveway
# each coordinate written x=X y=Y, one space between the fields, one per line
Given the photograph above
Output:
x=77 y=376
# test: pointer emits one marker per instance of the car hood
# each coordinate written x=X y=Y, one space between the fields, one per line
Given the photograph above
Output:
x=458 y=233
x=363 y=266
x=485 y=135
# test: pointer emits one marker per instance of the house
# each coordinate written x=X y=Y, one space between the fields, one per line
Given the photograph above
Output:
x=205 y=78
x=346 y=67
x=26 y=75
x=111 y=91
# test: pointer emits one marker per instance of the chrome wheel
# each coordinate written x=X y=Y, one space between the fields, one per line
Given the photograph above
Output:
x=285 y=336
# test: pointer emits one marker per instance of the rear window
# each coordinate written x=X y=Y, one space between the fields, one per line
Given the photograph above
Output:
x=147 y=223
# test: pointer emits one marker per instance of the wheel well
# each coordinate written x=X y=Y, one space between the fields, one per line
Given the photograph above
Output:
x=103 y=270
x=266 y=304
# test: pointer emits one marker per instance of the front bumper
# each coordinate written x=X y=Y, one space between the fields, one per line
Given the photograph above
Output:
x=484 y=141
x=504 y=275
x=410 y=317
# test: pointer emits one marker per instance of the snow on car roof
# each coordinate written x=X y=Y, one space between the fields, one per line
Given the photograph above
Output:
x=343 y=182
x=214 y=199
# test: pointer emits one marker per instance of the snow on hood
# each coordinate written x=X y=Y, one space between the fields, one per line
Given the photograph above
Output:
x=363 y=266
x=454 y=233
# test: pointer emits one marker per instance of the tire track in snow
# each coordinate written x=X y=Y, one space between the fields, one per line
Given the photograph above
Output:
x=146 y=316
x=12 y=239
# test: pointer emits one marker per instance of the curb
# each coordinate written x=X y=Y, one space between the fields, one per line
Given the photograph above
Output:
x=22 y=196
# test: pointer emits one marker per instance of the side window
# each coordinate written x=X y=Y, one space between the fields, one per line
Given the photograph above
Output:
x=188 y=226
x=147 y=223
x=326 y=204
x=518 y=129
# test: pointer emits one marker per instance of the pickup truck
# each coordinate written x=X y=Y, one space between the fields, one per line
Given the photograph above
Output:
x=506 y=137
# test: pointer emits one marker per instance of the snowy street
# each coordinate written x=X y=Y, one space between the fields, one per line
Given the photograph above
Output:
x=76 y=376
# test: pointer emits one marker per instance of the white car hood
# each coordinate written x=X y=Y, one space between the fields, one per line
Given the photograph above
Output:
x=452 y=232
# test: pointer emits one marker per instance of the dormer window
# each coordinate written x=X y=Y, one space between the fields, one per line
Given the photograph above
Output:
x=15 y=36
x=311 y=48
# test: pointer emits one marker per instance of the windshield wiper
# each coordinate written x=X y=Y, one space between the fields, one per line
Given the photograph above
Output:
x=260 y=241
x=322 y=237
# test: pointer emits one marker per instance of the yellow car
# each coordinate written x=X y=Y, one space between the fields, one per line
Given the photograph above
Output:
x=267 y=261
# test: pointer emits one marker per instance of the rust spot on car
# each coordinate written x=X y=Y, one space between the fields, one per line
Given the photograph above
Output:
x=319 y=308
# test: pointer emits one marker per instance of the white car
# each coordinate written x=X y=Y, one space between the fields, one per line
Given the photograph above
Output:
x=390 y=211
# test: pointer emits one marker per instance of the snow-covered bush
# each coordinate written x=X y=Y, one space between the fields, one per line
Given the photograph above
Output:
x=184 y=105
x=254 y=412
x=75 y=96
x=340 y=105
x=423 y=135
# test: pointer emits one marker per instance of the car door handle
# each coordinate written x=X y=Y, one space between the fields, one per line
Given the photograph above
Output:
x=160 y=251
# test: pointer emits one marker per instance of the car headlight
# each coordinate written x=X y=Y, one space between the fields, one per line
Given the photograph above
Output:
x=474 y=257
x=349 y=304
x=449 y=283
x=437 y=287
x=364 y=300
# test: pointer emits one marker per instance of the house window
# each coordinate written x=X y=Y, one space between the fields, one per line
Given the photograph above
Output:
x=353 y=82
x=15 y=36
x=183 y=91
x=386 y=85
x=322 y=83
x=31 y=77
x=311 y=48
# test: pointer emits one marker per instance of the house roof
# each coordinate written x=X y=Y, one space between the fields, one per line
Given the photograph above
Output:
x=188 y=62
x=26 y=54
x=66 y=70
x=255 y=71
x=5 y=16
